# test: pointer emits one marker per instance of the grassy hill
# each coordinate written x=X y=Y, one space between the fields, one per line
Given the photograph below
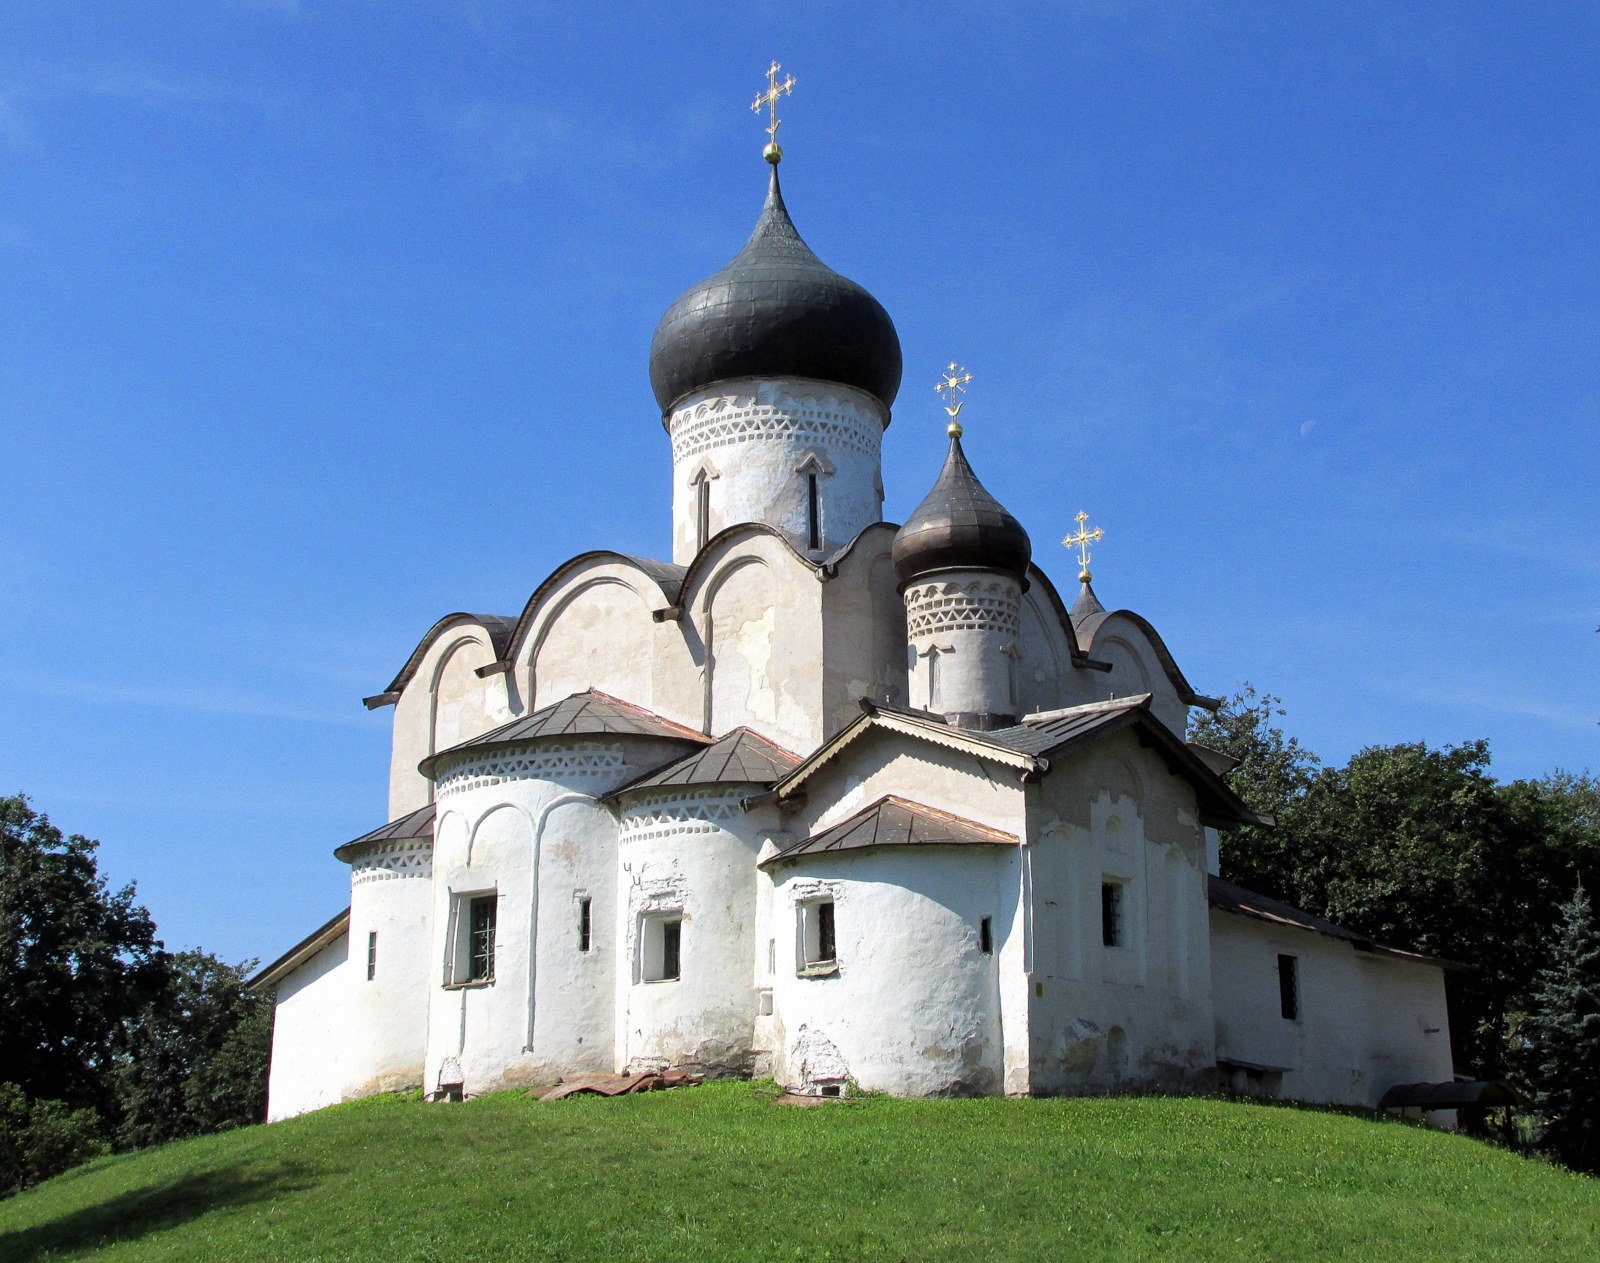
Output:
x=720 y=1172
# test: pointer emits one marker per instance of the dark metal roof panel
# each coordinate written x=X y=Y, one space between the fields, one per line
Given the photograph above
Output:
x=415 y=824
x=741 y=757
x=959 y=524
x=302 y=951
x=498 y=627
x=1036 y=737
x=590 y=713
x=1227 y=896
x=1451 y=1095
x=776 y=310
x=893 y=821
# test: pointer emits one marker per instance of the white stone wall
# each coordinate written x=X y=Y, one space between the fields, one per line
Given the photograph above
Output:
x=310 y=1035
x=525 y=826
x=391 y=896
x=753 y=443
x=689 y=853
x=915 y=1007
x=964 y=631
x=1136 y=1016
x=1367 y=1021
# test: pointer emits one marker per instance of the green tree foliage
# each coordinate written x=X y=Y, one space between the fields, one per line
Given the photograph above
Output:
x=40 y=1138
x=197 y=1055
x=1565 y=1043
x=1274 y=772
x=77 y=961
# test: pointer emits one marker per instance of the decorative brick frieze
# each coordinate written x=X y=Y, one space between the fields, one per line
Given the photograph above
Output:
x=403 y=859
x=565 y=763
x=826 y=421
x=697 y=811
x=975 y=605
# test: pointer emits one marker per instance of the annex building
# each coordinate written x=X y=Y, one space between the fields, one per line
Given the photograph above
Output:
x=817 y=796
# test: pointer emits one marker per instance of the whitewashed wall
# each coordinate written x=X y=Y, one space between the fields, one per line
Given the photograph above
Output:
x=310 y=1034
x=692 y=853
x=1135 y=1016
x=391 y=895
x=1367 y=1021
x=915 y=1007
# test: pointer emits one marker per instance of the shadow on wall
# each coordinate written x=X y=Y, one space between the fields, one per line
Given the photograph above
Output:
x=153 y=1209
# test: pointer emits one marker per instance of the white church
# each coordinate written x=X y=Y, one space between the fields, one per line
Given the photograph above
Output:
x=857 y=806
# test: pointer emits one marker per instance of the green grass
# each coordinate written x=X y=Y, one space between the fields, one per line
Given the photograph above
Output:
x=719 y=1172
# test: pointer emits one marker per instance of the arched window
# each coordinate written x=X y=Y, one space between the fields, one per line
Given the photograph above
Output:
x=813 y=468
x=701 y=482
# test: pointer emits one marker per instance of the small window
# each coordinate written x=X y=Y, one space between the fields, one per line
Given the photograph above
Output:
x=817 y=939
x=585 y=923
x=480 y=944
x=813 y=513
x=986 y=936
x=1289 y=987
x=661 y=948
x=372 y=955
x=702 y=509
x=1111 y=913
x=772 y=955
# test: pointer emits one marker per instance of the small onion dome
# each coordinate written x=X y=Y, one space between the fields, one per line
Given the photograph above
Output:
x=775 y=311
x=960 y=525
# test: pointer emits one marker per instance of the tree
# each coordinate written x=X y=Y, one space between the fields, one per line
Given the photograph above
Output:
x=197 y=1055
x=1565 y=1030
x=77 y=961
x=1273 y=774
x=39 y=1139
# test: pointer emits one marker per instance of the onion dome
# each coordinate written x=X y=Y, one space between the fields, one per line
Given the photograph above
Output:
x=775 y=311
x=960 y=525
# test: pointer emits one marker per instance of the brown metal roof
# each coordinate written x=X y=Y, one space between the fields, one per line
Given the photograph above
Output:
x=1227 y=896
x=893 y=821
x=496 y=626
x=741 y=757
x=416 y=824
x=590 y=713
x=301 y=952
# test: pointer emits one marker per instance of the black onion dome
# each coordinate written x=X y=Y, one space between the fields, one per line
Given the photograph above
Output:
x=776 y=310
x=959 y=524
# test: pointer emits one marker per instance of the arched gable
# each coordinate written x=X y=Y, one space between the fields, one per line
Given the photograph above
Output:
x=1141 y=663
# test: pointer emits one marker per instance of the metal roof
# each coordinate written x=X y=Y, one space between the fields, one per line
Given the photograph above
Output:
x=776 y=310
x=590 y=713
x=893 y=821
x=959 y=524
x=496 y=626
x=1435 y=1096
x=1227 y=896
x=1044 y=734
x=741 y=757
x=304 y=950
x=416 y=824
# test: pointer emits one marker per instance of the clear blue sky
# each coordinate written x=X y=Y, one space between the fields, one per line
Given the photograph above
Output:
x=322 y=319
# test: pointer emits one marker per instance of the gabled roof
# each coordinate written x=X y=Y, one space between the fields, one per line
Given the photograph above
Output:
x=1034 y=744
x=1227 y=896
x=741 y=757
x=416 y=824
x=1088 y=615
x=590 y=713
x=326 y=933
x=893 y=821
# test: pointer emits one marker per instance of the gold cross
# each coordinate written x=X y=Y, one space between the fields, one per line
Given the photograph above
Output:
x=954 y=382
x=1081 y=541
x=768 y=101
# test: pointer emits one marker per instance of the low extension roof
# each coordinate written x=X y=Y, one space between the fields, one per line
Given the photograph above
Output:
x=742 y=757
x=893 y=821
x=1039 y=740
x=590 y=713
x=326 y=933
x=416 y=824
x=1451 y=1095
x=1227 y=896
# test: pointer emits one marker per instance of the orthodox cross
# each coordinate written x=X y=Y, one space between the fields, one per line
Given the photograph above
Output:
x=954 y=382
x=1081 y=539
x=768 y=101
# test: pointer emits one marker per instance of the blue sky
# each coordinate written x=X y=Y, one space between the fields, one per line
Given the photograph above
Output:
x=324 y=318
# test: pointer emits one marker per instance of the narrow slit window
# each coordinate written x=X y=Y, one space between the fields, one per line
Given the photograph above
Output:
x=671 y=948
x=813 y=513
x=372 y=955
x=986 y=936
x=702 y=511
x=1111 y=913
x=1289 y=987
x=585 y=923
